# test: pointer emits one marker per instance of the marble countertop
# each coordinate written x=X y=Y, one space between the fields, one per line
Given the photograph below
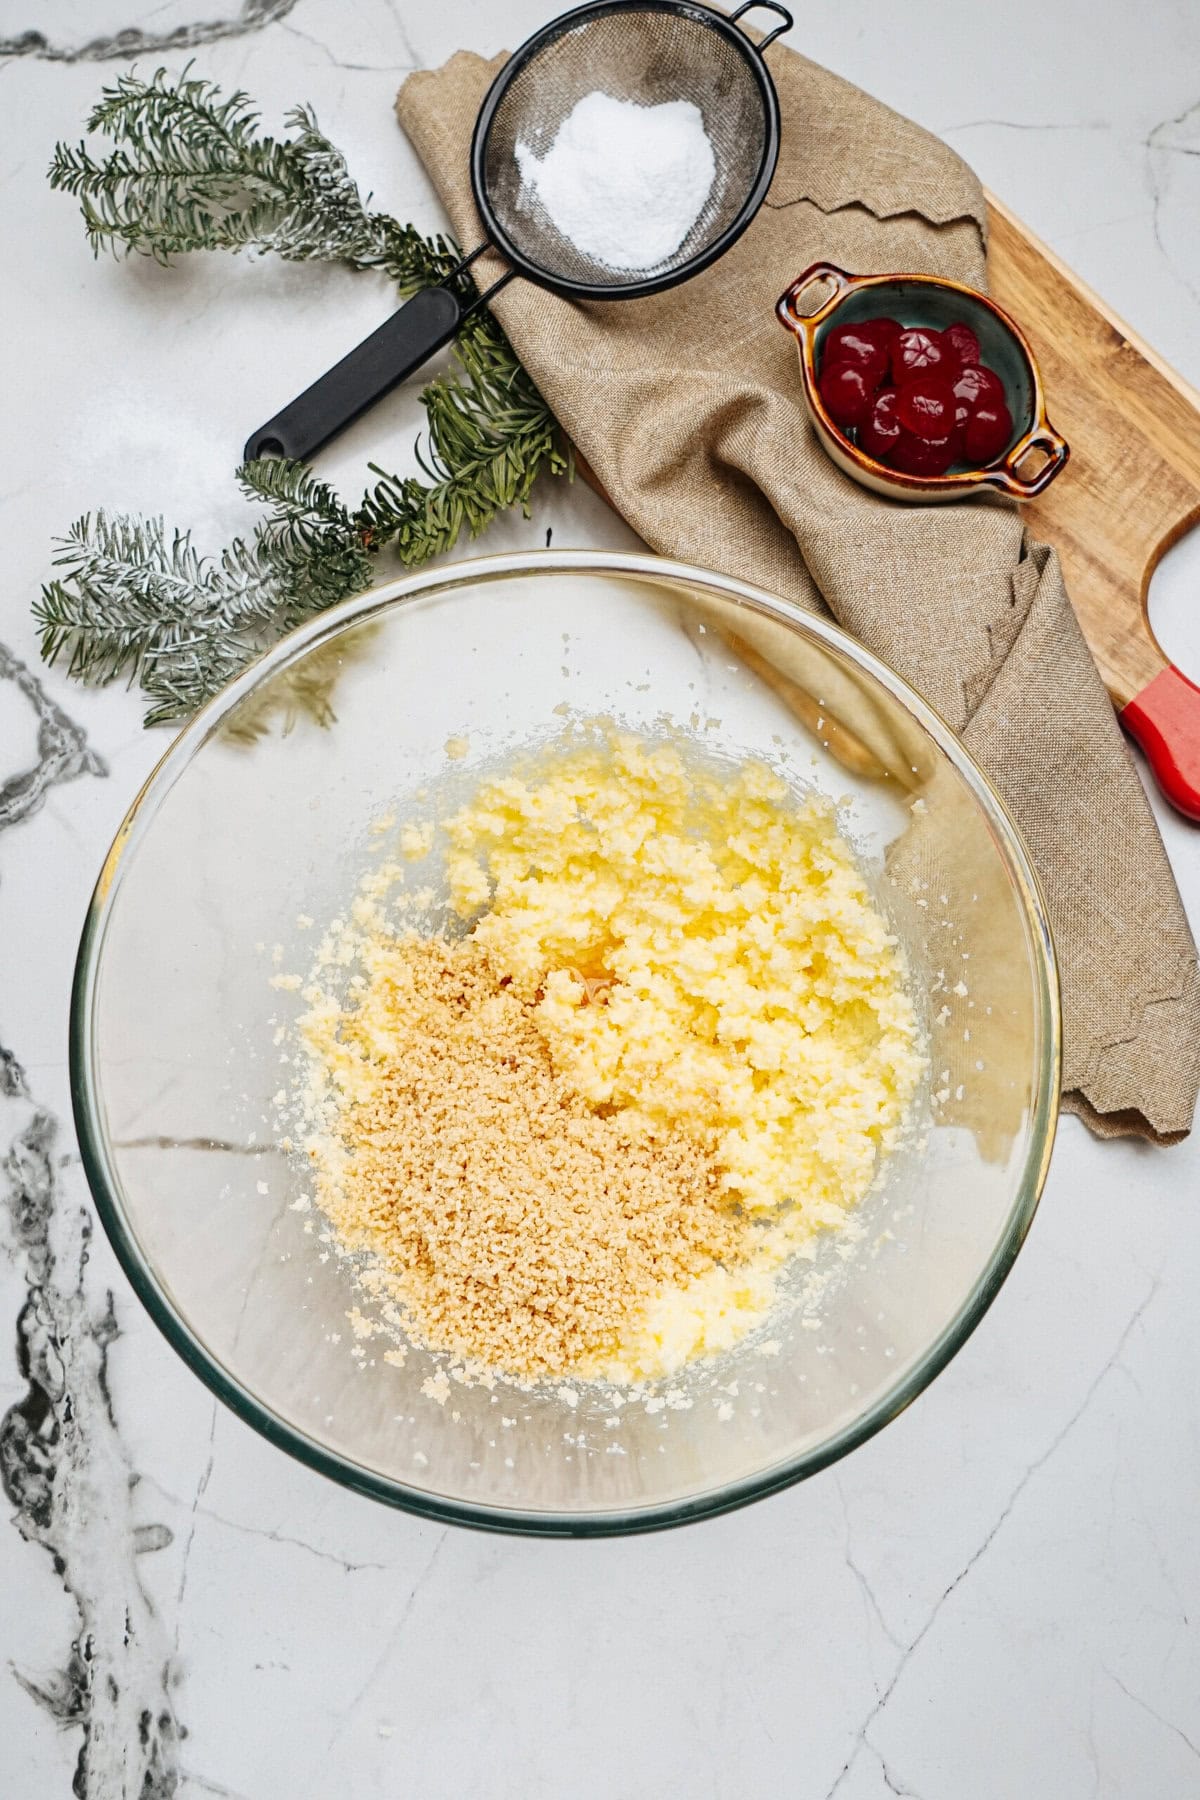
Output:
x=996 y=1597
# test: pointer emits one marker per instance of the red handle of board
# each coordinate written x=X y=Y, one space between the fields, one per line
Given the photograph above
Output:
x=1165 y=720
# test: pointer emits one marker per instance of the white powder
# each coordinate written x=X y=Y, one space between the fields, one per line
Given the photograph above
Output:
x=625 y=183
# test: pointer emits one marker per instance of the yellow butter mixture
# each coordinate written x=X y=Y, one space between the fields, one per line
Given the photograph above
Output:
x=681 y=954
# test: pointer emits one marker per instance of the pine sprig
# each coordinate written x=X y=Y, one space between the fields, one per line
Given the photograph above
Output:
x=191 y=170
x=490 y=436
x=136 y=601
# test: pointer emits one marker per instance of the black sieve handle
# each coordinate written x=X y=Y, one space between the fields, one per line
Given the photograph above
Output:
x=393 y=352
x=768 y=6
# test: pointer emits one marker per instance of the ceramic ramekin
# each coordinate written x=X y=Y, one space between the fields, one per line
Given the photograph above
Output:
x=935 y=302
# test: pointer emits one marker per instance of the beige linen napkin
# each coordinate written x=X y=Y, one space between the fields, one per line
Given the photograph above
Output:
x=688 y=407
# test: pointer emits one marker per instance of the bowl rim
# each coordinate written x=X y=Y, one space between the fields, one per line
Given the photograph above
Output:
x=221 y=1381
x=1002 y=474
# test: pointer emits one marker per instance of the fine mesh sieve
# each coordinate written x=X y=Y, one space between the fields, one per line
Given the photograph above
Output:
x=650 y=55
x=645 y=51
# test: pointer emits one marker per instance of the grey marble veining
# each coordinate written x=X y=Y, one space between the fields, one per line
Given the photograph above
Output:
x=63 y=1468
x=62 y=749
x=67 y=1476
x=137 y=40
x=1175 y=137
x=995 y=1597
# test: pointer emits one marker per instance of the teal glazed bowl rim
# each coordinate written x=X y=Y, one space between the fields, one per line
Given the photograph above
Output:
x=1034 y=432
x=105 y=1182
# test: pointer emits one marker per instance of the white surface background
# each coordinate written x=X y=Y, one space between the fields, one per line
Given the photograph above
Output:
x=998 y=1596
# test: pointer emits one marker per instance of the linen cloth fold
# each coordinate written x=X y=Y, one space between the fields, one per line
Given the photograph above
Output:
x=688 y=407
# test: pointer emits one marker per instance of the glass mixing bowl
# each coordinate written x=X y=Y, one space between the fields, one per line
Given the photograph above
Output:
x=261 y=813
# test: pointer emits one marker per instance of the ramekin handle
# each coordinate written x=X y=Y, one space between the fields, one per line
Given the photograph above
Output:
x=1007 y=474
x=788 y=312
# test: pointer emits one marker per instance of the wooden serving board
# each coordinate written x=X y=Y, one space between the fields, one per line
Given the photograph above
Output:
x=1130 y=490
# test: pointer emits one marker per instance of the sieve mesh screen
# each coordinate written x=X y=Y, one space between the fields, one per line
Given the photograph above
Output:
x=648 y=56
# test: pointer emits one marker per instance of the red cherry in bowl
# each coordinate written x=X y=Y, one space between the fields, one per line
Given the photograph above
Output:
x=882 y=330
x=917 y=352
x=976 y=384
x=847 y=392
x=879 y=432
x=859 y=346
x=914 y=455
x=989 y=432
x=926 y=407
x=963 y=345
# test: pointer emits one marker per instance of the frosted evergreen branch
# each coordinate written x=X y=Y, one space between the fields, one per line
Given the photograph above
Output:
x=490 y=436
x=190 y=169
x=135 y=601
